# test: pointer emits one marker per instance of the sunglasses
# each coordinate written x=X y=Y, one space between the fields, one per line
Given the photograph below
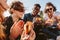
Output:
x=48 y=9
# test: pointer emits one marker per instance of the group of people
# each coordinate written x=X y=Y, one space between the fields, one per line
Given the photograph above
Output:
x=37 y=25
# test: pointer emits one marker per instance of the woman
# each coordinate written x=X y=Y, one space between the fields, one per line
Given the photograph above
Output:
x=17 y=10
x=3 y=7
x=50 y=12
x=50 y=20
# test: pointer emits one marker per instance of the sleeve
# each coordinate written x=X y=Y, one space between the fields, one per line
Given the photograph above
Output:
x=5 y=22
x=8 y=21
x=25 y=18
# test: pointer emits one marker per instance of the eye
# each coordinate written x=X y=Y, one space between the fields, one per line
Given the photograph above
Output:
x=50 y=8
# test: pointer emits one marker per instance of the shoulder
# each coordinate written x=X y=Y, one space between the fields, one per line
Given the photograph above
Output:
x=27 y=14
x=7 y=20
x=56 y=13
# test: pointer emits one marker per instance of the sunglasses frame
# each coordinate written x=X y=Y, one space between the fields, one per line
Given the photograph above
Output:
x=46 y=10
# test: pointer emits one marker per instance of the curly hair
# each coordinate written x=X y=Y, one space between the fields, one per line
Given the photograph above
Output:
x=37 y=5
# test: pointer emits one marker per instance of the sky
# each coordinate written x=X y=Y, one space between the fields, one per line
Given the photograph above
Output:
x=30 y=3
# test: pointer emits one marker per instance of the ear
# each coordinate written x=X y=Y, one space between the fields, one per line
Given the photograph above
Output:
x=12 y=10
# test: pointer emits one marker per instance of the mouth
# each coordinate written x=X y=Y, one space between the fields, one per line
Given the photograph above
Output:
x=49 y=11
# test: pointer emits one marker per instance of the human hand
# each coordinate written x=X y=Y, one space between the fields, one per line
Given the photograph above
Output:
x=49 y=22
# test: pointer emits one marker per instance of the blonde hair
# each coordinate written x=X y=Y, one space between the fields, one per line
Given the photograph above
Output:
x=2 y=34
x=1 y=14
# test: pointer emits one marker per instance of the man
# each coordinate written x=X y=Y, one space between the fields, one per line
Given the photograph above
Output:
x=30 y=16
x=36 y=19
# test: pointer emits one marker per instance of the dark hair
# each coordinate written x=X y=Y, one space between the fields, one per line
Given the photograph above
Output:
x=38 y=5
x=17 y=6
x=50 y=4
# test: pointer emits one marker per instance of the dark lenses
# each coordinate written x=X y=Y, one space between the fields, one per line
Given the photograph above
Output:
x=48 y=9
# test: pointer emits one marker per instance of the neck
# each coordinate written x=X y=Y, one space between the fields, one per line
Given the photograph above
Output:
x=15 y=18
x=34 y=15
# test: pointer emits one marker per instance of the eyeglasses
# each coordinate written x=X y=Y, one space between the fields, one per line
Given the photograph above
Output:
x=48 y=9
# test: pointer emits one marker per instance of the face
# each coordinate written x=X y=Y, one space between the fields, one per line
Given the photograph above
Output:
x=19 y=14
x=49 y=9
x=1 y=9
x=36 y=10
x=3 y=5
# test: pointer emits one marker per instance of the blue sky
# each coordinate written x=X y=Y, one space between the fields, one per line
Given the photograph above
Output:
x=29 y=4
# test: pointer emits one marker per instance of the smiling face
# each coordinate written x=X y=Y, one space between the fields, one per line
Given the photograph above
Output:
x=3 y=5
x=49 y=9
x=19 y=14
x=36 y=10
x=17 y=8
